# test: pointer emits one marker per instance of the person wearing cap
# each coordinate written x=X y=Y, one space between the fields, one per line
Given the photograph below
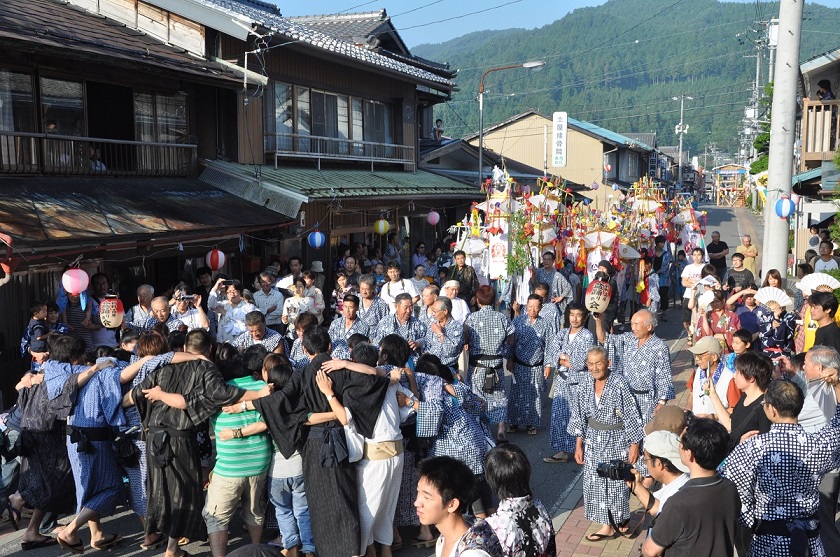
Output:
x=701 y=518
x=607 y=426
x=318 y=268
x=662 y=454
x=460 y=309
x=560 y=291
x=707 y=355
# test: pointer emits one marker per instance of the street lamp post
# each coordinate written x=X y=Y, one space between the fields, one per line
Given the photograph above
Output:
x=681 y=130
x=533 y=64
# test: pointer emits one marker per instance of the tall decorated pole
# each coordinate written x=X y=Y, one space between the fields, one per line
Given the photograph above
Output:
x=782 y=130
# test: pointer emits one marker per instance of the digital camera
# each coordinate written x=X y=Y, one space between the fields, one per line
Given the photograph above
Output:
x=615 y=469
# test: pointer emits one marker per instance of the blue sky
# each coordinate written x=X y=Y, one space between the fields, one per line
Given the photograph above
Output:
x=415 y=19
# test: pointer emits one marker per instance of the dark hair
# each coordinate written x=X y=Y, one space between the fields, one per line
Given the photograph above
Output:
x=129 y=335
x=65 y=349
x=121 y=355
x=826 y=242
x=278 y=375
x=708 y=441
x=772 y=273
x=669 y=466
x=744 y=336
x=294 y=258
x=696 y=250
x=575 y=306
x=550 y=253
x=236 y=285
x=308 y=274
x=255 y=317
x=35 y=307
x=797 y=361
x=536 y=297
x=739 y=255
x=316 y=340
x=660 y=239
x=160 y=328
x=152 y=343
x=508 y=471
x=199 y=341
x=305 y=321
x=785 y=397
x=825 y=300
x=355 y=339
x=103 y=352
x=541 y=286
x=459 y=252
x=364 y=353
x=804 y=269
x=708 y=270
x=755 y=366
x=393 y=350
x=431 y=365
x=401 y=297
x=53 y=307
x=176 y=340
x=417 y=247
x=392 y=265
x=352 y=298
x=252 y=360
x=229 y=361
x=203 y=271
x=451 y=478
x=485 y=295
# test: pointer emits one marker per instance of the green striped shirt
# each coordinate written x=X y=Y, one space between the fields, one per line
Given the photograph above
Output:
x=249 y=456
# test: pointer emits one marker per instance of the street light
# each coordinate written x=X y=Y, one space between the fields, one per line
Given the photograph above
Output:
x=531 y=64
x=681 y=130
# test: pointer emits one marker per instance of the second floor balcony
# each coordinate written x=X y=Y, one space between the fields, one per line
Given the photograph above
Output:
x=50 y=154
x=294 y=145
x=820 y=132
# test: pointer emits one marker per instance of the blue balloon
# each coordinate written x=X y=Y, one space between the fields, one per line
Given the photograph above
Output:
x=317 y=239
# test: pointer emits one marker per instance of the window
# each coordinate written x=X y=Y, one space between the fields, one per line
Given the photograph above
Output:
x=160 y=118
x=17 y=105
x=280 y=120
x=377 y=122
x=63 y=106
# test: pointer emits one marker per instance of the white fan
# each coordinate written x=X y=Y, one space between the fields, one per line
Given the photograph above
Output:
x=811 y=282
x=772 y=294
x=705 y=299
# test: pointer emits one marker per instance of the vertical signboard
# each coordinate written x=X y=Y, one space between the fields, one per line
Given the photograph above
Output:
x=559 y=133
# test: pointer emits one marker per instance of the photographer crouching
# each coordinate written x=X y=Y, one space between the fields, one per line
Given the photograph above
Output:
x=662 y=456
x=608 y=426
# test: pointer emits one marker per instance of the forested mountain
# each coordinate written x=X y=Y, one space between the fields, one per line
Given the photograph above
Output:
x=619 y=65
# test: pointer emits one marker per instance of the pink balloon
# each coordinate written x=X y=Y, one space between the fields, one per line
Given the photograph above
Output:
x=433 y=218
x=608 y=167
x=795 y=198
x=75 y=281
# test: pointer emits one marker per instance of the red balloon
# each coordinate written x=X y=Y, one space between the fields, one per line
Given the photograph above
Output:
x=215 y=259
x=608 y=167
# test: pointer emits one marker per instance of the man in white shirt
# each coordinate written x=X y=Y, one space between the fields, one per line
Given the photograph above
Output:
x=691 y=276
x=269 y=301
x=662 y=455
x=396 y=286
x=287 y=283
x=460 y=309
x=187 y=309
x=825 y=261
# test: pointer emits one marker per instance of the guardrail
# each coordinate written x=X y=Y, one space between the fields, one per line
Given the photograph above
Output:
x=40 y=153
x=293 y=145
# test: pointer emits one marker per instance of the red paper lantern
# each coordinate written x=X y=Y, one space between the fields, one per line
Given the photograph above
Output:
x=215 y=259
x=111 y=312
x=75 y=281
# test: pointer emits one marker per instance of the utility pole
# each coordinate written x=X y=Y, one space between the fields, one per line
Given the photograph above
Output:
x=681 y=130
x=782 y=129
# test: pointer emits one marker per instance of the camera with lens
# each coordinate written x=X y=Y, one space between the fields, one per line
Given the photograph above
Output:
x=616 y=469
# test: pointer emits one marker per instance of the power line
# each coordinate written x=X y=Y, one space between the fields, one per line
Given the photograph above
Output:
x=491 y=8
x=417 y=8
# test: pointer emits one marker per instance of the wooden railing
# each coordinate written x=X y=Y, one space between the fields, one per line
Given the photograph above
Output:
x=38 y=153
x=820 y=132
x=293 y=145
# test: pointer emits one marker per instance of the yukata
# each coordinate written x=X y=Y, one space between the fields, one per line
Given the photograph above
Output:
x=174 y=482
x=96 y=414
x=172 y=324
x=529 y=344
x=523 y=527
x=552 y=315
x=460 y=436
x=479 y=539
x=271 y=340
x=558 y=285
x=449 y=349
x=646 y=367
x=412 y=330
x=609 y=424
x=488 y=332
x=232 y=323
x=136 y=317
x=297 y=358
x=373 y=313
x=778 y=476
x=566 y=382
x=778 y=341
x=339 y=331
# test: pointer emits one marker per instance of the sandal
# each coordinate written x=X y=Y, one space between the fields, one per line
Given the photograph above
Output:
x=14 y=515
x=532 y=430
x=555 y=460
x=77 y=548
x=512 y=429
x=596 y=537
x=155 y=544
x=27 y=546
x=107 y=543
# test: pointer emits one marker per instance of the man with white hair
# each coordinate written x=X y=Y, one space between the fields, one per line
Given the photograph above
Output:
x=445 y=335
x=460 y=309
x=428 y=297
x=749 y=251
x=138 y=315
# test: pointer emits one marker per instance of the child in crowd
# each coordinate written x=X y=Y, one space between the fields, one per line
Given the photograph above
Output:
x=379 y=275
x=34 y=339
x=53 y=314
x=676 y=283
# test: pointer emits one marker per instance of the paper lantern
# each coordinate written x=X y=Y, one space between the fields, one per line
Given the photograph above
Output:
x=75 y=281
x=111 y=312
x=785 y=207
x=317 y=239
x=795 y=198
x=215 y=259
x=608 y=167
x=598 y=295
x=615 y=187
x=433 y=218
x=595 y=185
x=381 y=227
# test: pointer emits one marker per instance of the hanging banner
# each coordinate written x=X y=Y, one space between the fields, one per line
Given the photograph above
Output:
x=498 y=256
x=559 y=128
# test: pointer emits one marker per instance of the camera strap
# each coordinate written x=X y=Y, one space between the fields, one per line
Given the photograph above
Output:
x=635 y=531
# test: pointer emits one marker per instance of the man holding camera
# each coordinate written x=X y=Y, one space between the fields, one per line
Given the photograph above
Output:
x=662 y=455
x=608 y=427
x=187 y=309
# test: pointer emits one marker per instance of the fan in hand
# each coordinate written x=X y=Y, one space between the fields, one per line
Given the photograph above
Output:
x=772 y=294
x=811 y=282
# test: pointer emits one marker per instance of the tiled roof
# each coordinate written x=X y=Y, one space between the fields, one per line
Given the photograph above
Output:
x=57 y=27
x=269 y=17
x=648 y=138
x=347 y=26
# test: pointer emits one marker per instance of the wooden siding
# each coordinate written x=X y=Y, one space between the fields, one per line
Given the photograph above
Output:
x=250 y=122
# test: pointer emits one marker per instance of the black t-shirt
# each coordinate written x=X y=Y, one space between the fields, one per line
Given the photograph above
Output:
x=682 y=530
x=748 y=418
x=828 y=336
x=720 y=264
x=740 y=278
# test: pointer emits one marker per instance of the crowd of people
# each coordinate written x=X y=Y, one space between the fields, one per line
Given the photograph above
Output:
x=391 y=401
